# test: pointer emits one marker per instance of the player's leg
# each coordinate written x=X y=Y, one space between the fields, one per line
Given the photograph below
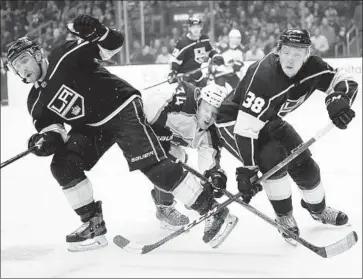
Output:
x=81 y=153
x=306 y=174
x=144 y=152
x=277 y=187
x=169 y=217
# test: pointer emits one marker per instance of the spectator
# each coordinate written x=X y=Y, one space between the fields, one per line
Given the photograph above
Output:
x=319 y=43
x=328 y=32
x=146 y=57
x=136 y=54
x=164 y=57
x=271 y=44
x=254 y=53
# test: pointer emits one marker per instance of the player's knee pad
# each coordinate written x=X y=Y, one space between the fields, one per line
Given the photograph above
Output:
x=68 y=168
x=306 y=175
x=171 y=177
x=270 y=155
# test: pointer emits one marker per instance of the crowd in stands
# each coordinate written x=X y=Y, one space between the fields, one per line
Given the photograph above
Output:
x=260 y=23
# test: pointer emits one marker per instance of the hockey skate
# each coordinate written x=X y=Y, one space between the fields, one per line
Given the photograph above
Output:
x=218 y=227
x=329 y=215
x=170 y=218
x=289 y=222
x=89 y=236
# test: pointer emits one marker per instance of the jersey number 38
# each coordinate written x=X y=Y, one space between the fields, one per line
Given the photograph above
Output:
x=254 y=103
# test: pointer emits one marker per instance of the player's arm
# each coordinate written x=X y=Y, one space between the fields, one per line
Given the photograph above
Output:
x=50 y=133
x=178 y=56
x=214 y=54
x=209 y=155
x=252 y=115
x=341 y=89
x=97 y=41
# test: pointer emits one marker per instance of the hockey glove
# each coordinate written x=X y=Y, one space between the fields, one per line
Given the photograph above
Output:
x=51 y=142
x=248 y=190
x=172 y=77
x=219 y=180
x=89 y=28
x=237 y=65
x=339 y=109
x=218 y=59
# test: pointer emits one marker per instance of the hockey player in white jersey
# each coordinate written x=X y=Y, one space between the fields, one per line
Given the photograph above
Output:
x=186 y=120
x=229 y=74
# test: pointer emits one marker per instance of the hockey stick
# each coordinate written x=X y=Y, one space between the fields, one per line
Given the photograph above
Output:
x=179 y=76
x=21 y=155
x=326 y=251
x=143 y=249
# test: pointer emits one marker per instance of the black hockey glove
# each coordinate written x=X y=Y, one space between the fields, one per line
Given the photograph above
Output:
x=172 y=77
x=51 y=142
x=339 y=109
x=89 y=28
x=219 y=179
x=218 y=60
x=249 y=190
x=237 y=65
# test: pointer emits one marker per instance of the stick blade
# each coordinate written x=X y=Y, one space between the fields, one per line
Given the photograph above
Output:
x=342 y=245
x=127 y=245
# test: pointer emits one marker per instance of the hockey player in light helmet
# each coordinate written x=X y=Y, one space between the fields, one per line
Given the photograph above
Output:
x=209 y=101
x=234 y=38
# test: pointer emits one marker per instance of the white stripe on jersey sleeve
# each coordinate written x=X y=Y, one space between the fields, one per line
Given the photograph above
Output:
x=339 y=76
x=106 y=54
x=248 y=125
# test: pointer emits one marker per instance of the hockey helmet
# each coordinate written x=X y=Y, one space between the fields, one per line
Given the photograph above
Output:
x=194 y=20
x=234 y=38
x=294 y=37
x=21 y=45
x=213 y=94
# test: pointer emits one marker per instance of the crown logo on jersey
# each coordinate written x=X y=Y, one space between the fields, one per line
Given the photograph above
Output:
x=76 y=110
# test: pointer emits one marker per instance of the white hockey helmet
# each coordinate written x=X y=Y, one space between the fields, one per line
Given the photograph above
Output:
x=234 y=38
x=213 y=94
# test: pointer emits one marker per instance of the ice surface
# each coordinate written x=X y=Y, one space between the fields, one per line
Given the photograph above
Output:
x=35 y=216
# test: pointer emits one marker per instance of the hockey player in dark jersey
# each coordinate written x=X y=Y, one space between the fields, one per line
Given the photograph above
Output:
x=253 y=128
x=185 y=119
x=71 y=87
x=190 y=52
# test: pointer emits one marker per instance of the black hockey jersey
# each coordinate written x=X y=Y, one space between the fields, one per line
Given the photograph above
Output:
x=77 y=90
x=266 y=93
x=189 y=54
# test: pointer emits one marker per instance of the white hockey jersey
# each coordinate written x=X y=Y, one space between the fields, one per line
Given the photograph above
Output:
x=176 y=112
x=230 y=56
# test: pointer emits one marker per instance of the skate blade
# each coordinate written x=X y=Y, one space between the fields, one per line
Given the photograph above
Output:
x=90 y=244
x=291 y=241
x=227 y=227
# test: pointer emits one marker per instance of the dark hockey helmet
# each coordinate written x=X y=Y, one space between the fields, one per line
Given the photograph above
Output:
x=294 y=37
x=194 y=20
x=19 y=47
